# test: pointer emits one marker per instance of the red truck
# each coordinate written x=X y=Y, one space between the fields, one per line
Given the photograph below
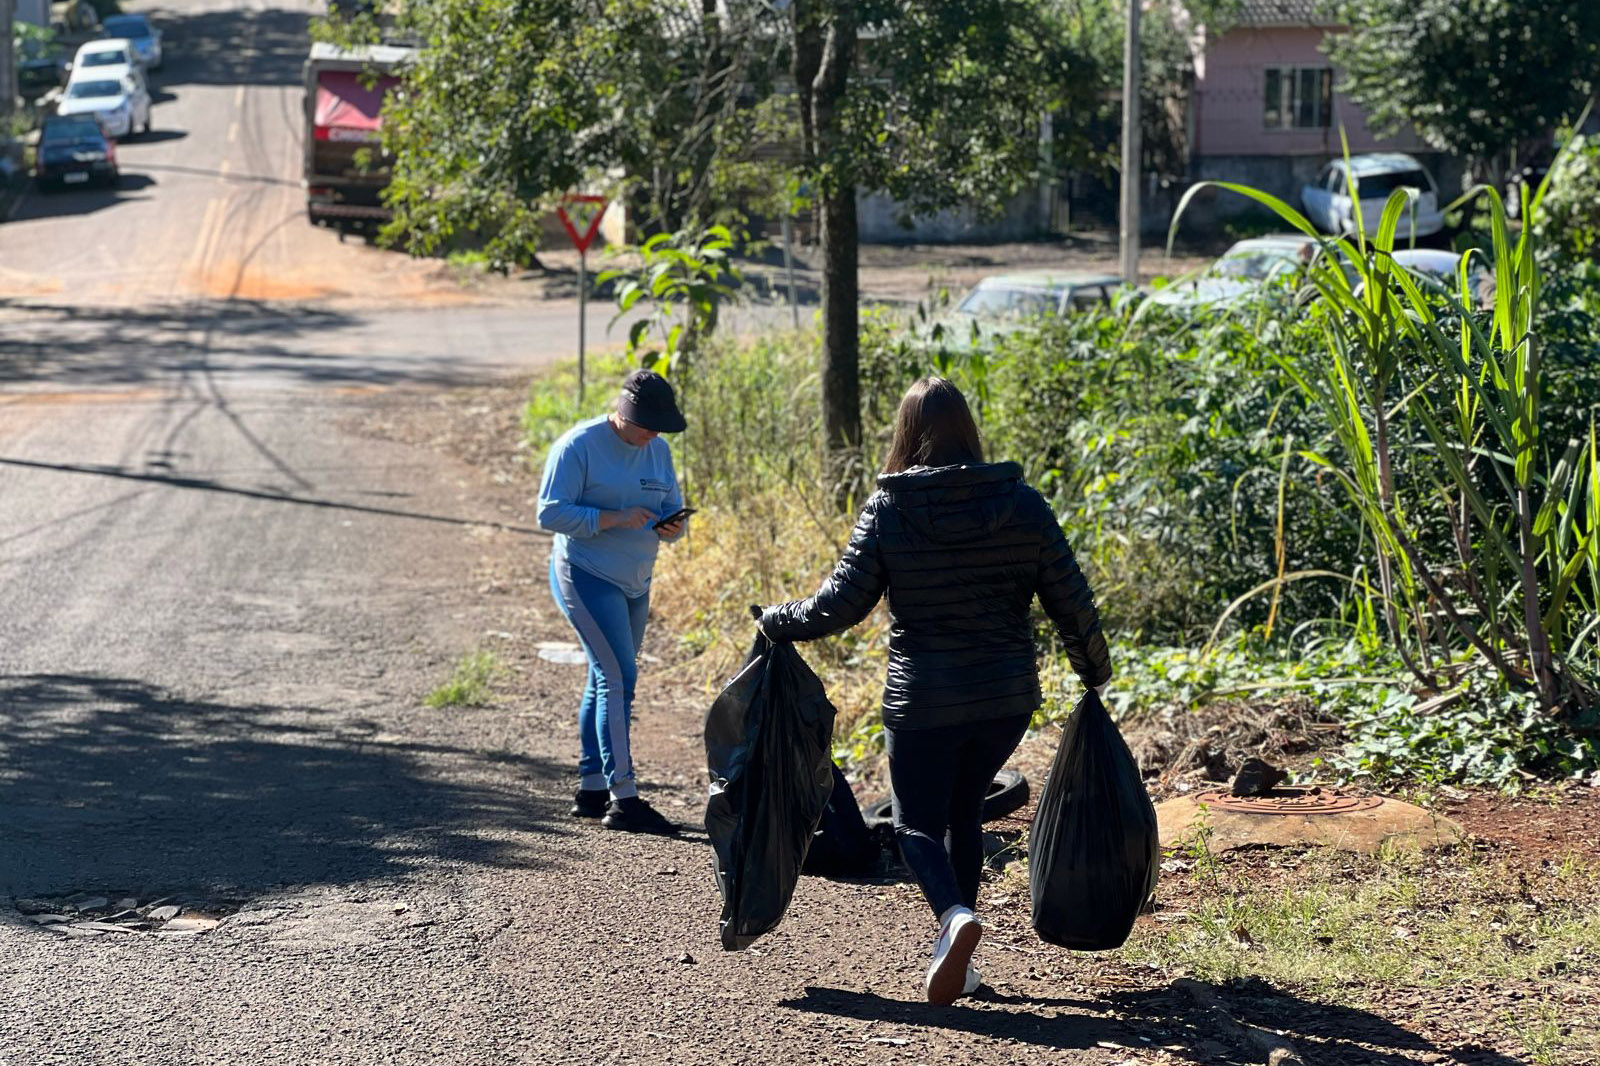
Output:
x=346 y=169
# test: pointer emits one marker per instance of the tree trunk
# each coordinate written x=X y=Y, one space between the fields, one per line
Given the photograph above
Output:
x=841 y=330
x=841 y=338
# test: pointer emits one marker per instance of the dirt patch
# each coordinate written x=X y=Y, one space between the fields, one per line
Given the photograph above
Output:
x=1547 y=827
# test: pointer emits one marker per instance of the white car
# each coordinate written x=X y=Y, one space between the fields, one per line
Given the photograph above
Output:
x=1330 y=207
x=1242 y=270
x=109 y=58
x=121 y=104
x=1438 y=271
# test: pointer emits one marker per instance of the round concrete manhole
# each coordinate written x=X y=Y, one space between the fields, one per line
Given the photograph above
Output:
x=561 y=651
x=1289 y=799
x=1298 y=815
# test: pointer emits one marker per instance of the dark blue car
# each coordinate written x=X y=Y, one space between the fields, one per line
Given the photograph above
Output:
x=74 y=150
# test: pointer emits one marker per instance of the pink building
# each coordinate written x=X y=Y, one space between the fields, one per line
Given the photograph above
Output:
x=1265 y=108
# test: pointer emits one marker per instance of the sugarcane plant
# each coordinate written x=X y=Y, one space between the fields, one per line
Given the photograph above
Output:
x=1485 y=534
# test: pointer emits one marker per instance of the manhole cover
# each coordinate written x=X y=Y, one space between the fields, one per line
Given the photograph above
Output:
x=1291 y=800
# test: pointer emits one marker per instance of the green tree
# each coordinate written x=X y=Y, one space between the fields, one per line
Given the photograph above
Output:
x=695 y=109
x=938 y=105
x=513 y=103
x=1477 y=78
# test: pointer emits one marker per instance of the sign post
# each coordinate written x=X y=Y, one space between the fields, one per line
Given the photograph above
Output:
x=595 y=206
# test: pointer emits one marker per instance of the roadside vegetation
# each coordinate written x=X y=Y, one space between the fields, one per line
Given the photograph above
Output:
x=471 y=682
x=1351 y=494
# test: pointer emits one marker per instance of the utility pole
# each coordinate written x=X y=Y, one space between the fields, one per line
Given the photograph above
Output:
x=1131 y=149
x=8 y=68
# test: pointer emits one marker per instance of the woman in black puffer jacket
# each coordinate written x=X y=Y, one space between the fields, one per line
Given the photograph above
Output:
x=961 y=547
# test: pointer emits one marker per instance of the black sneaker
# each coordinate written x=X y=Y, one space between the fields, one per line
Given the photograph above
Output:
x=589 y=803
x=634 y=815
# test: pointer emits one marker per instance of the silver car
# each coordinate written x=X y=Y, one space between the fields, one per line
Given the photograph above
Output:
x=138 y=32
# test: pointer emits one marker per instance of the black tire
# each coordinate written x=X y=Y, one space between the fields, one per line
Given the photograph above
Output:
x=114 y=179
x=1008 y=793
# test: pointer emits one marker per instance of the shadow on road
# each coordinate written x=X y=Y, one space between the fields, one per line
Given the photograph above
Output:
x=235 y=46
x=77 y=200
x=207 y=485
x=109 y=783
x=222 y=340
x=1323 y=1033
x=220 y=175
x=162 y=135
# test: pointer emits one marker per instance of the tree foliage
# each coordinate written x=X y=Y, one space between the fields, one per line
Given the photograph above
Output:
x=513 y=103
x=1476 y=78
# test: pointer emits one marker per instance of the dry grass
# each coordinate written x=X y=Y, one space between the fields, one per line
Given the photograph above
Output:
x=771 y=548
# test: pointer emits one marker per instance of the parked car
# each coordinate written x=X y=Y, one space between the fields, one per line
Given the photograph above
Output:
x=1242 y=270
x=121 y=104
x=1438 y=271
x=145 y=38
x=40 y=64
x=1003 y=303
x=108 y=58
x=74 y=150
x=1329 y=204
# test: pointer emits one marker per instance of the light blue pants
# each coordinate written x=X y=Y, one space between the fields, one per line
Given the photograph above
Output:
x=610 y=627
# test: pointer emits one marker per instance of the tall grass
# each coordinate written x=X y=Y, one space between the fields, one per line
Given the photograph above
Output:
x=1486 y=534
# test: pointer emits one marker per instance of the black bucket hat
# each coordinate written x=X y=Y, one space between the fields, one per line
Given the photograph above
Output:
x=647 y=400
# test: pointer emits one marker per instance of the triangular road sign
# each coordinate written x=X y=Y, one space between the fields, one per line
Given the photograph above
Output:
x=589 y=210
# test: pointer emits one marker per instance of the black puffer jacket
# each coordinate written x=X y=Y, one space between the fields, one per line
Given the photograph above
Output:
x=961 y=551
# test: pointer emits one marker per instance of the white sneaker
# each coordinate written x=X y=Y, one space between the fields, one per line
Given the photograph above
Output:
x=952 y=956
x=974 y=980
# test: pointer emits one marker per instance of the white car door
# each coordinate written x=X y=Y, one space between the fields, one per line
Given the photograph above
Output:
x=1317 y=200
x=1340 y=206
x=139 y=95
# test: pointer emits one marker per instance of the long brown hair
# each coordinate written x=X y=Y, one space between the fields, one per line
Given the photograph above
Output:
x=934 y=427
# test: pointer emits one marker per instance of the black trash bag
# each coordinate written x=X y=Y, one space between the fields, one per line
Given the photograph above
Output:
x=1094 y=853
x=842 y=846
x=768 y=737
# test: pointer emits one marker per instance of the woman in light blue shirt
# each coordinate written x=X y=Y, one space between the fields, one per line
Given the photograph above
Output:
x=608 y=484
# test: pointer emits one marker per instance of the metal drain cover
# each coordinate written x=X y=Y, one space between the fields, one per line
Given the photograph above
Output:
x=1288 y=799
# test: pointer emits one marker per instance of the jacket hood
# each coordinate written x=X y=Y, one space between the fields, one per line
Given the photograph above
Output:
x=955 y=504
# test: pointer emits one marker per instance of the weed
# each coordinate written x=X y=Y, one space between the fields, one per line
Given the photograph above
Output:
x=1340 y=925
x=469 y=684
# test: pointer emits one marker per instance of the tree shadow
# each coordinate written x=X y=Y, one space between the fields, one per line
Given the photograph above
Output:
x=66 y=345
x=70 y=200
x=111 y=783
x=1325 y=1034
x=233 y=46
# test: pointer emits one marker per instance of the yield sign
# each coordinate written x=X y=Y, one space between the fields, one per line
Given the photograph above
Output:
x=592 y=207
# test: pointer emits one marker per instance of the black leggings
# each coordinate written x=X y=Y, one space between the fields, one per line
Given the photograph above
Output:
x=939 y=777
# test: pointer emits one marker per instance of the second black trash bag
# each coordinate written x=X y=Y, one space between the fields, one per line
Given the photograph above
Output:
x=768 y=740
x=1094 y=853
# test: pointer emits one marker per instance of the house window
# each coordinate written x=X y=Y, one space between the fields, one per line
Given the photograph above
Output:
x=1298 y=98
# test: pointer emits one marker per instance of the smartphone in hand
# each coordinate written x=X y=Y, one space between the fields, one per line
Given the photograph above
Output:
x=676 y=516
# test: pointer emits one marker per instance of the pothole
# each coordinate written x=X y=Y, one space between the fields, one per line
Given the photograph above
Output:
x=88 y=914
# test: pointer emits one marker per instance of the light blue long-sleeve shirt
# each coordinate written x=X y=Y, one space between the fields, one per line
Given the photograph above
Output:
x=591 y=469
